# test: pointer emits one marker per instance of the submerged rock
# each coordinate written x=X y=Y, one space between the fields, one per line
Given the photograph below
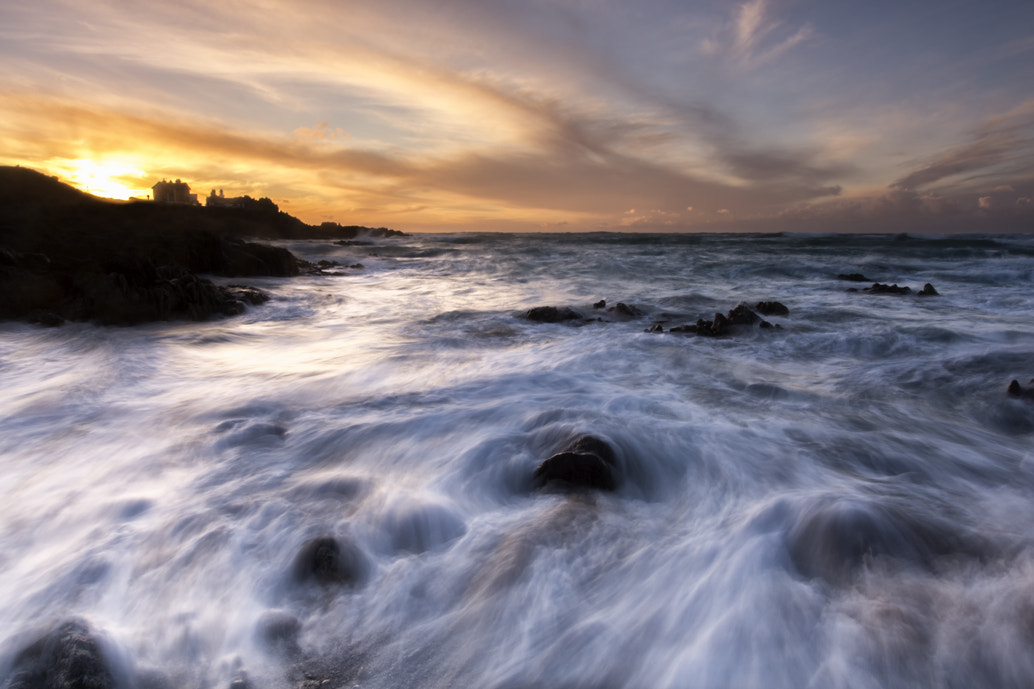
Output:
x=836 y=539
x=277 y=631
x=623 y=309
x=69 y=657
x=551 y=314
x=588 y=462
x=328 y=562
x=879 y=288
x=853 y=277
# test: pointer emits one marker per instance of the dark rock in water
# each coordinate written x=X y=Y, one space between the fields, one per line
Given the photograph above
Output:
x=878 y=288
x=329 y=562
x=655 y=328
x=69 y=657
x=249 y=259
x=277 y=631
x=623 y=309
x=716 y=328
x=551 y=314
x=853 y=277
x=1017 y=390
x=928 y=291
x=836 y=539
x=771 y=308
x=683 y=329
x=601 y=304
x=742 y=315
x=588 y=462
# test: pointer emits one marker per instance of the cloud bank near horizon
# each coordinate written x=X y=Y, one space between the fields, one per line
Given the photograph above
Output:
x=560 y=115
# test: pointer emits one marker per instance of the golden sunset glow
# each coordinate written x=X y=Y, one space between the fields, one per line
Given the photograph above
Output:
x=107 y=178
x=536 y=116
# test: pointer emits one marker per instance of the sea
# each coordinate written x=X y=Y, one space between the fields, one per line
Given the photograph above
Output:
x=335 y=489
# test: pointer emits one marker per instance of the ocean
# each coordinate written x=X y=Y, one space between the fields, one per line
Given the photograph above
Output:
x=336 y=489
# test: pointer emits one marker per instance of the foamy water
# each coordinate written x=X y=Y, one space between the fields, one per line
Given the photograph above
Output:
x=842 y=502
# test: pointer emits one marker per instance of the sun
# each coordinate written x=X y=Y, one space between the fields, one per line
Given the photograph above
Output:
x=108 y=178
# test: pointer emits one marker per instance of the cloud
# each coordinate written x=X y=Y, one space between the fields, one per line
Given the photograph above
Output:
x=998 y=142
x=756 y=39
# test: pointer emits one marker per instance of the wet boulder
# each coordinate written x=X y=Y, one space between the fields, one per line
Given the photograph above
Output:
x=879 y=288
x=588 y=462
x=836 y=539
x=277 y=631
x=329 y=562
x=69 y=657
x=742 y=315
x=928 y=291
x=624 y=310
x=716 y=328
x=601 y=304
x=1017 y=390
x=551 y=314
x=771 y=308
x=853 y=277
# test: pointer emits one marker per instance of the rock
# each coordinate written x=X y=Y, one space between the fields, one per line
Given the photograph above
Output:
x=878 y=288
x=623 y=309
x=551 y=314
x=742 y=315
x=853 y=277
x=771 y=308
x=327 y=562
x=69 y=657
x=601 y=304
x=928 y=291
x=683 y=329
x=588 y=462
x=655 y=328
x=277 y=631
x=1017 y=390
x=836 y=538
x=249 y=259
x=716 y=328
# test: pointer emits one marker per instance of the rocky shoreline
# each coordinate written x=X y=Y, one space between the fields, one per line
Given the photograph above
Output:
x=68 y=256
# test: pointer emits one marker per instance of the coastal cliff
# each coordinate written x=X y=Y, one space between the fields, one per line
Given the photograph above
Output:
x=66 y=255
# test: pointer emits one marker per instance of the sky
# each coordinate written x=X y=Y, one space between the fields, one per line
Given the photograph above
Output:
x=539 y=115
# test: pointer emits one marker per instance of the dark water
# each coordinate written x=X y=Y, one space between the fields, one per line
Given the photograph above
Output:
x=845 y=501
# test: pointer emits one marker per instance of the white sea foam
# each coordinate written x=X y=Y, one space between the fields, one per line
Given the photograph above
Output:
x=840 y=502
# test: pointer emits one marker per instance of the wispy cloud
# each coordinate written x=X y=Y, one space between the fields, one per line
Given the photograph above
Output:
x=753 y=38
x=1002 y=140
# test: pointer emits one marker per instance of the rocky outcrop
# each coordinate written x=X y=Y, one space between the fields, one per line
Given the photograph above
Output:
x=879 y=288
x=738 y=318
x=69 y=657
x=835 y=539
x=928 y=291
x=853 y=277
x=329 y=562
x=551 y=314
x=118 y=294
x=1017 y=390
x=771 y=308
x=586 y=463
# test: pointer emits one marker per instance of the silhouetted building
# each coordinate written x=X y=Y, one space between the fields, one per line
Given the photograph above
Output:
x=173 y=192
x=221 y=201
